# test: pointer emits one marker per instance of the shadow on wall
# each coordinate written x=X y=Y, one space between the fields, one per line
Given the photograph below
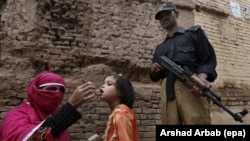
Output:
x=2 y=2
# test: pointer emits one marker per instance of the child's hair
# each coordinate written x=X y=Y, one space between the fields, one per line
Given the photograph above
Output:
x=125 y=90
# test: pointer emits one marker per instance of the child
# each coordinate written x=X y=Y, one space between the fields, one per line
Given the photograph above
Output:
x=118 y=92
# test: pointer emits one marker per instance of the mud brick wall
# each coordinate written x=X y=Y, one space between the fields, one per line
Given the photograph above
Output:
x=85 y=40
x=230 y=38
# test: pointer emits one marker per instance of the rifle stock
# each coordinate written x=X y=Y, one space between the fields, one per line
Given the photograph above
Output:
x=191 y=79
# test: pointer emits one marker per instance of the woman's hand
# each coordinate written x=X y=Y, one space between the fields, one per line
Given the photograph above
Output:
x=82 y=94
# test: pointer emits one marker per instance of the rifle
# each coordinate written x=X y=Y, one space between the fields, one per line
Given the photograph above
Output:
x=191 y=79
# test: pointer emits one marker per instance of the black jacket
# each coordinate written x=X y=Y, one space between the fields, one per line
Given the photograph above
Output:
x=188 y=47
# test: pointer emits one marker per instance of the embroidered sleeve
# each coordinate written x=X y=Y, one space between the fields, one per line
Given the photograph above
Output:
x=62 y=119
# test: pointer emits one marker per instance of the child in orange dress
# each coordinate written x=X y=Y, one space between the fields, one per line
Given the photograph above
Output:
x=119 y=93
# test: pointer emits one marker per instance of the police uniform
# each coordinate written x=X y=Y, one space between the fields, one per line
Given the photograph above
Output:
x=187 y=47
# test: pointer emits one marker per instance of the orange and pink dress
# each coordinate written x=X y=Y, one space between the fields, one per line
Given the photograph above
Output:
x=122 y=125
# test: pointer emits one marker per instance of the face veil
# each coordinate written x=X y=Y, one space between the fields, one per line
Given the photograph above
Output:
x=45 y=102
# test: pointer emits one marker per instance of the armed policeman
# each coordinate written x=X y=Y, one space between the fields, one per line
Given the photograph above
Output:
x=188 y=48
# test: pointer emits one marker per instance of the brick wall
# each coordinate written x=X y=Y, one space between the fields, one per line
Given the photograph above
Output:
x=230 y=38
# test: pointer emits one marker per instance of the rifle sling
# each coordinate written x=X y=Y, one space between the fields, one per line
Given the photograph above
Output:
x=171 y=81
x=170 y=86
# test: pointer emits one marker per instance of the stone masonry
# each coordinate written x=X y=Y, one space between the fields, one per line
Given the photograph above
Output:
x=85 y=40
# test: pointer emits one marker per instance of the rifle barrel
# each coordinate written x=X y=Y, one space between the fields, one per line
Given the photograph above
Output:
x=185 y=74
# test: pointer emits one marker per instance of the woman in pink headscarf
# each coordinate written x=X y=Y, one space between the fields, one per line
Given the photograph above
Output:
x=40 y=117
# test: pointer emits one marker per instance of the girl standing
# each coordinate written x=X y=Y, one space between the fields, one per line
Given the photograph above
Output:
x=119 y=93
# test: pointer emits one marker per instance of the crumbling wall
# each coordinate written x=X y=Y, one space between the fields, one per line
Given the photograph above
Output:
x=82 y=41
x=230 y=38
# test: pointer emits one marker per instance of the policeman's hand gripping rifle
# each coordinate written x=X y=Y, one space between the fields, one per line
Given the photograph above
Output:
x=190 y=79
